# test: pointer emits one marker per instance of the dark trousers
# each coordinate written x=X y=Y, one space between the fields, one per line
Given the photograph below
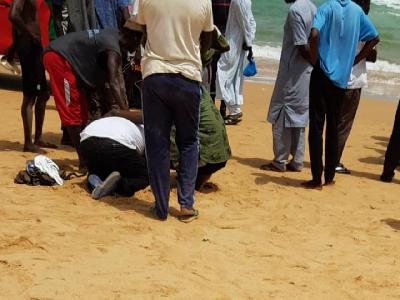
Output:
x=104 y=156
x=348 y=113
x=171 y=99
x=392 y=156
x=325 y=104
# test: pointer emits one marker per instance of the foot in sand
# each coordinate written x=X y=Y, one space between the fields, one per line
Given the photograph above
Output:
x=44 y=144
x=271 y=167
x=33 y=148
x=107 y=187
x=187 y=215
x=312 y=184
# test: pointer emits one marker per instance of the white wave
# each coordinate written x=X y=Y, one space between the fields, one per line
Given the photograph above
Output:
x=395 y=4
x=384 y=66
x=268 y=52
x=274 y=53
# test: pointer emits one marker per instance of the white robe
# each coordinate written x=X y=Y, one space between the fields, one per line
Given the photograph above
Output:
x=240 y=29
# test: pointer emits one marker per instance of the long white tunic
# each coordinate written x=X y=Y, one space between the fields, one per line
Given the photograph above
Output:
x=240 y=29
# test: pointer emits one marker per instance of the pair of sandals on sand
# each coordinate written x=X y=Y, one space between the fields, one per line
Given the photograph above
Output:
x=233 y=119
x=185 y=215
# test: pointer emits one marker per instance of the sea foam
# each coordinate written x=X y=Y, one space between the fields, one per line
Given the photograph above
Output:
x=274 y=53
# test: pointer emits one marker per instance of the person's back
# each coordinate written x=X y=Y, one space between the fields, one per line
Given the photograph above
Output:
x=174 y=29
x=342 y=24
x=221 y=13
x=171 y=68
x=83 y=50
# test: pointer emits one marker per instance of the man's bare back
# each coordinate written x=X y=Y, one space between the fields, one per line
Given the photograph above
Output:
x=24 y=19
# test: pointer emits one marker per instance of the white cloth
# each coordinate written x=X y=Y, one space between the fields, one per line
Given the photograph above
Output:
x=240 y=29
x=117 y=129
x=46 y=165
x=173 y=35
x=358 y=77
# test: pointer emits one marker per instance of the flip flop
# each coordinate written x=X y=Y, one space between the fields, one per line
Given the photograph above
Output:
x=187 y=218
x=271 y=167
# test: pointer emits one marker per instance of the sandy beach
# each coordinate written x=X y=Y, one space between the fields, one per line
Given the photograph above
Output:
x=260 y=235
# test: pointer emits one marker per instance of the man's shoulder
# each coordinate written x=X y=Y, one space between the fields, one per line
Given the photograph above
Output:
x=302 y=6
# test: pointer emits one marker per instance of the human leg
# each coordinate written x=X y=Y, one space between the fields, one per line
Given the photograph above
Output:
x=297 y=149
x=281 y=142
x=185 y=103
x=347 y=115
x=392 y=155
x=317 y=120
x=70 y=101
x=158 y=120
x=335 y=97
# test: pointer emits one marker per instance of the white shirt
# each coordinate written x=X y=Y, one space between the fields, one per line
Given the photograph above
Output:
x=358 y=77
x=173 y=35
x=118 y=129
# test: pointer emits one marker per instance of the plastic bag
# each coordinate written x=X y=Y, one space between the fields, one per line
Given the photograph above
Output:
x=251 y=69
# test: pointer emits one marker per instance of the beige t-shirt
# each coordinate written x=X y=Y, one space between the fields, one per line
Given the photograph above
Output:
x=173 y=35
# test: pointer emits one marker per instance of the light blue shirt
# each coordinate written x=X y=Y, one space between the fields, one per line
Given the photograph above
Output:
x=342 y=24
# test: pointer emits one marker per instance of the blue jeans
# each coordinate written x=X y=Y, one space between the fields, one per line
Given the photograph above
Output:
x=171 y=99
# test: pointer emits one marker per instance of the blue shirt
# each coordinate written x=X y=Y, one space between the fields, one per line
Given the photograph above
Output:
x=108 y=12
x=342 y=24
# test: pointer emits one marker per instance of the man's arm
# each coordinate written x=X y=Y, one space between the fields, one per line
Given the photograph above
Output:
x=205 y=42
x=116 y=80
x=305 y=52
x=135 y=116
x=14 y=15
x=368 y=48
x=313 y=41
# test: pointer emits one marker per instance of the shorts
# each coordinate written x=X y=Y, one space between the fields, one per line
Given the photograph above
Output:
x=33 y=75
x=70 y=101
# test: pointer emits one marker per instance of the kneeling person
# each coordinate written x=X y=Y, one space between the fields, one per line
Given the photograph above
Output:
x=113 y=150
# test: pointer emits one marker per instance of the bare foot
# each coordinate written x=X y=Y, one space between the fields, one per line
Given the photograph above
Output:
x=33 y=148
x=329 y=182
x=43 y=144
x=312 y=184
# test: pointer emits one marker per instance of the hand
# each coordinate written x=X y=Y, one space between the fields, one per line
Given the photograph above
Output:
x=250 y=54
x=245 y=47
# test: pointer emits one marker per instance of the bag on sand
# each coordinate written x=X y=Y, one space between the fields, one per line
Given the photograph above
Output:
x=251 y=69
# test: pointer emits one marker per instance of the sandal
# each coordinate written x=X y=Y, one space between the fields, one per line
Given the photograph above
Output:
x=189 y=217
x=229 y=121
x=271 y=167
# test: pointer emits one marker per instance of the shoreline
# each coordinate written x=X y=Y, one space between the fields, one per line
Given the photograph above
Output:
x=381 y=85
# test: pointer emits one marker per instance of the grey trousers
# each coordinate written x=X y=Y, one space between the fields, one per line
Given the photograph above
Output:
x=288 y=141
x=347 y=116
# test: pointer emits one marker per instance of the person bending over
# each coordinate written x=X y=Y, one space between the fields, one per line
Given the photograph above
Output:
x=113 y=149
x=87 y=61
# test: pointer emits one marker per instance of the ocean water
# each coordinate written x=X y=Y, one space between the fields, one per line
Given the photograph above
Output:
x=385 y=14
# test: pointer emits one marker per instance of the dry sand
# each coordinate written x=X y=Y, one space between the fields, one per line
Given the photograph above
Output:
x=260 y=236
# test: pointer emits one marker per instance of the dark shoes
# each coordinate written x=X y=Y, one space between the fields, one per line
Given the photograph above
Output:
x=341 y=169
x=233 y=119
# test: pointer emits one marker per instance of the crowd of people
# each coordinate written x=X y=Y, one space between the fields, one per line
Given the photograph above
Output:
x=190 y=52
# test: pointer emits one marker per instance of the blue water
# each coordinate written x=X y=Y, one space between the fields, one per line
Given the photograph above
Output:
x=385 y=14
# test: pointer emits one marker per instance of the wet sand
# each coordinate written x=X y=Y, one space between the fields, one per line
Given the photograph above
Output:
x=260 y=235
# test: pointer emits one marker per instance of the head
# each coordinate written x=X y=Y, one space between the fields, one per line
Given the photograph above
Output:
x=290 y=1
x=131 y=36
x=365 y=5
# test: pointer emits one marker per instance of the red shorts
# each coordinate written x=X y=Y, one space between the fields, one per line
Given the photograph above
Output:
x=70 y=101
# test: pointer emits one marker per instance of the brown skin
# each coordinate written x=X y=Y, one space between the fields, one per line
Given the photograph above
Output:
x=23 y=18
x=117 y=99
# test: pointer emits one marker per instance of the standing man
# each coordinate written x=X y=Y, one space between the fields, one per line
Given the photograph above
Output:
x=338 y=27
x=358 y=80
x=288 y=111
x=28 y=46
x=240 y=33
x=177 y=31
